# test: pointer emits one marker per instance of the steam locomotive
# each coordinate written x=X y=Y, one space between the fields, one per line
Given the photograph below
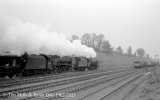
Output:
x=32 y=64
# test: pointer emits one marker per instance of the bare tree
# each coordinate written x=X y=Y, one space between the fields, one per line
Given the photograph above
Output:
x=86 y=39
x=97 y=42
x=75 y=37
x=106 y=47
x=100 y=39
x=94 y=40
x=119 y=50
x=129 y=50
x=140 y=52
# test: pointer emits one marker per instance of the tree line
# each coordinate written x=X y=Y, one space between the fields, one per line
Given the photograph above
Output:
x=100 y=43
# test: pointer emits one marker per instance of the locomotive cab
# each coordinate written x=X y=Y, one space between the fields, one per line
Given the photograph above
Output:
x=10 y=65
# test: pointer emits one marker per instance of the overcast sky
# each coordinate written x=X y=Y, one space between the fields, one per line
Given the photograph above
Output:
x=123 y=22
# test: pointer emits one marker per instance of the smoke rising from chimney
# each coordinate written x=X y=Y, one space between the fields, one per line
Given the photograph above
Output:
x=20 y=37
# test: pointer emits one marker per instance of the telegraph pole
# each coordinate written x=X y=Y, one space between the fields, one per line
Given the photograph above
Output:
x=155 y=70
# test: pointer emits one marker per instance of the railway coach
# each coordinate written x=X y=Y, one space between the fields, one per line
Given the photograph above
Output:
x=142 y=64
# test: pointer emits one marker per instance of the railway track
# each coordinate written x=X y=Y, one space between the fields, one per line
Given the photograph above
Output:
x=5 y=82
x=76 y=88
x=111 y=81
x=85 y=86
x=116 y=90
x=106 y=92
x=21 y=81
x=54 y=84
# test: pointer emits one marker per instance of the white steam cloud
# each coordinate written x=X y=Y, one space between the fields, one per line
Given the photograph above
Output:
x=27 y=37
x=18 y=36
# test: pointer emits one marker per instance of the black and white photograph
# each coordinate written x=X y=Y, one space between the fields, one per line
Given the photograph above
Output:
x=79 y=49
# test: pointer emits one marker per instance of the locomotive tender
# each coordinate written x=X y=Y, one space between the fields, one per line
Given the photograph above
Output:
x=32 y=64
